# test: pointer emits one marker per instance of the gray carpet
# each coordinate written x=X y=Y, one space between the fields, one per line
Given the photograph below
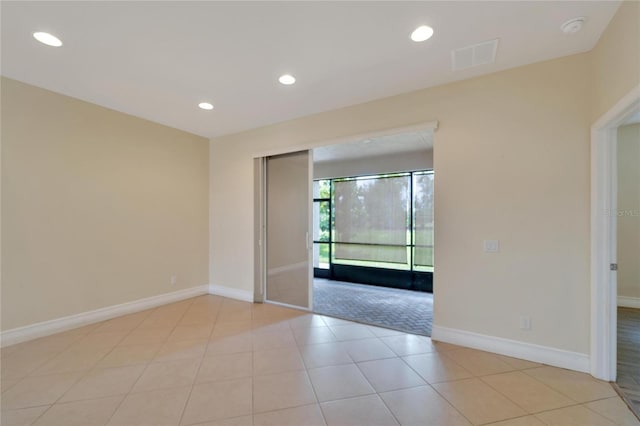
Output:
x=405 y=310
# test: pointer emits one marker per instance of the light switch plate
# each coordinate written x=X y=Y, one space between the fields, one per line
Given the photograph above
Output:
x=491 y=246
x=525 y=322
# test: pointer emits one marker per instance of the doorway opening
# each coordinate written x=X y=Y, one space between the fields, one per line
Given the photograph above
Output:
x=615 y=341
x=373 y=231
x=628 y=253
x=390 y=156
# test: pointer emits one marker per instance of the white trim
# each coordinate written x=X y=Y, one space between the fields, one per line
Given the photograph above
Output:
x=231 y=293
x=622 y=110
x=603 y=280
x=259 y=231
x=603 y=235
x=428 y=125
x=46 y=328
x=310 y=232
x=529 y=351
x=629 y=302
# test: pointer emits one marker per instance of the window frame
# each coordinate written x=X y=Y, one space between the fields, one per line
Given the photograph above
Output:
x=410 y=245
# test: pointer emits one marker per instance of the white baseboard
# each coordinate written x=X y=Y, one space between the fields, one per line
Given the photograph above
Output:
x=629 y=302
x=231 y=293
x=513 y=348
x=45 y=328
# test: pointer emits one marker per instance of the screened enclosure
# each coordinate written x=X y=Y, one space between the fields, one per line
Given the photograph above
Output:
x=375 y=229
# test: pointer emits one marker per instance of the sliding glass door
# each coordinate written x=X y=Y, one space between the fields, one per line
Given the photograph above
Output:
x=423 y=221
x=322 y=227
x=288 y=251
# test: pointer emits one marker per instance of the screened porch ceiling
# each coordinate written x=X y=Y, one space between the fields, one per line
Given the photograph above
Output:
x=376 y=146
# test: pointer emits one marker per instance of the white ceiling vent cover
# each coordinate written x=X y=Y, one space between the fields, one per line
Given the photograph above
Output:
x=474 y=55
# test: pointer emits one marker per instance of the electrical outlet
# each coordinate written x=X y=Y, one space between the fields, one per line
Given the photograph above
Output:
x=491 y=246
x=174 y=280
x=525 y=322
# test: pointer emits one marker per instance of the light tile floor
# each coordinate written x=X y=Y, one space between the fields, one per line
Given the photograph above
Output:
x=215 y=361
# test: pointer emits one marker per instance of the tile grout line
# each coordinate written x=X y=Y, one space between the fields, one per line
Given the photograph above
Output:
x=622 y=395
x=195 y=377
x=602 y=414
x=535 y=414
x=514 y=402
x=451 y=404
x=49 y=359
x=84 y=373
x=558 y=390
x=376 y=393
x=147 y=362
x=253 y=402
x=441 y=354
x=315 y=395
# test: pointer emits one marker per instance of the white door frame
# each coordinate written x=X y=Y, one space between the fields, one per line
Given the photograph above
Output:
x=310 y=228
x=259 y=159
x=603 y=235
x=259 y=229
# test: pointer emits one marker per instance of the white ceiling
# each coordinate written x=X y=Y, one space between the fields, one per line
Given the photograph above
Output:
x=376 y=147
x=158 y=60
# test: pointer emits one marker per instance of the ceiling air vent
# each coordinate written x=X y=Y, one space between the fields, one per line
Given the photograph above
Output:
x=474 y=55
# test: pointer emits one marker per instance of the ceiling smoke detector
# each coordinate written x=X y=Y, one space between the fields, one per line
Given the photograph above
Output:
x=572 y=26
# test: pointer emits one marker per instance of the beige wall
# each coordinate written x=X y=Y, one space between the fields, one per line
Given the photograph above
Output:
x=513 y=158
x=98 y=207
x=101 y=208
x=512 y=155
x=615 y=61
x=392 y=163
x=629 y=211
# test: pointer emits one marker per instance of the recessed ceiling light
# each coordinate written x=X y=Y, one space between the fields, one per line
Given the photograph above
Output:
x=422 y=33
x=48 y=39
x=287 y=79
x=205 y=105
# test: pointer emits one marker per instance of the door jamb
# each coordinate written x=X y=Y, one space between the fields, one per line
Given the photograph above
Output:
x=603 y=235
x=259 y=229
x=260 y=190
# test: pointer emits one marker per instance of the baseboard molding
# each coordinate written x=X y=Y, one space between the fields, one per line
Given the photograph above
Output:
x=46 y=328
x=529 y=351
x=629 y=302
x=231 y=293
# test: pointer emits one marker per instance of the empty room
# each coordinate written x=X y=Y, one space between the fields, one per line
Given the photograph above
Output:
x=193 y=193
